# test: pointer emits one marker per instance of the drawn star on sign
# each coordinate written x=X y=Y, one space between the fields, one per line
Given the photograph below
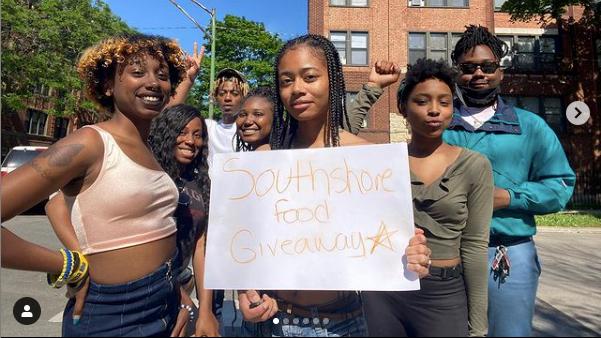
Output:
x=382 y=238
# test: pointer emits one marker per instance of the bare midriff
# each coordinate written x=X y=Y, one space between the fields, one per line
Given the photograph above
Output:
x=312 y=298
x=317 y=298
x=129 y=264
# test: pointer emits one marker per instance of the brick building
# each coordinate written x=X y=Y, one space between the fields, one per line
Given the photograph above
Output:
x=36 y=126
x=548 y=67
x=33 y=126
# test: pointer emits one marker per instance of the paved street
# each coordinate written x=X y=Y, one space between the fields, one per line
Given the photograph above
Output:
x=569 y=297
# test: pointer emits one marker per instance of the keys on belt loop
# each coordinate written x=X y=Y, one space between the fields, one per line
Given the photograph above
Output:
x=500 y=264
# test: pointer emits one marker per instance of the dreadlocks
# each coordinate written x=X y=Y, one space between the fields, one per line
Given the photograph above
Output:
x=262 y=92
x=478 y=35
x=243 y=85
x=284 y=125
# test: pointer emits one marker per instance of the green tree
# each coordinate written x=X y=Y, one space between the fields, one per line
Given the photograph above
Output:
x=41 y=42
x=243 y=45
x=545 y=10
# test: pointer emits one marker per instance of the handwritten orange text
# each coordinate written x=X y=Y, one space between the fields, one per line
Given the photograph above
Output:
x=305 y=177
x=246 y=248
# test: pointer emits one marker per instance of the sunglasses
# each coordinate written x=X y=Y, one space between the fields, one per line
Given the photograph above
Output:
x=486 y=67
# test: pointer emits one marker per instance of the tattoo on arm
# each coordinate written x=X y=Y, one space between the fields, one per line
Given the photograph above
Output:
x=58 y=156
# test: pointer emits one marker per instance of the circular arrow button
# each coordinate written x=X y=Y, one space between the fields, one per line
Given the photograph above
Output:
x=578 y=113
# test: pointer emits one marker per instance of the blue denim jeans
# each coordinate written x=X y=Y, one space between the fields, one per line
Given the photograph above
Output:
x=511 y=304
x=319 y=325
x=142 y=308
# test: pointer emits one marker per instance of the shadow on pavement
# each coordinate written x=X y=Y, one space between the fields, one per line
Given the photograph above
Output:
x=554 y=323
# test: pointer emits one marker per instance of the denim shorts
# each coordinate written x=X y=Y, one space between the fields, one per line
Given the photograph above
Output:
x=142 y=308
x=348 y=323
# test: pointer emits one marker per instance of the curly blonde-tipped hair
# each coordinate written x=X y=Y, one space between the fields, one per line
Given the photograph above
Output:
x=240 y=83
x=98 y=64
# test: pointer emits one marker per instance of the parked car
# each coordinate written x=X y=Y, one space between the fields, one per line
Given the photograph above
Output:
x=17 y=157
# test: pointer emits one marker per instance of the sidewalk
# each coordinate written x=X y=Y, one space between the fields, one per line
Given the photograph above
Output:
x=583 y=230
x=568 y=304
x=569 y=293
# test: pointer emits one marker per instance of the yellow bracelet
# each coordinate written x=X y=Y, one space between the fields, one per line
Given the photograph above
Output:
x=75 y=268
x=80 y=271
x=56 y=280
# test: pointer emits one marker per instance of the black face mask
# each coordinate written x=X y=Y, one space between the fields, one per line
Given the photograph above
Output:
x=477 y=98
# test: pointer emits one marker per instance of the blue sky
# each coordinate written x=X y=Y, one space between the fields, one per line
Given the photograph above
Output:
x=287 y=18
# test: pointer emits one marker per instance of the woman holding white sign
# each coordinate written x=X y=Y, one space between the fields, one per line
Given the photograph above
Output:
x=453 y=199
x=309 y=113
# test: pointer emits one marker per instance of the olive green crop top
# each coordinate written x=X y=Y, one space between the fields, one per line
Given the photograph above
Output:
x=455 y=212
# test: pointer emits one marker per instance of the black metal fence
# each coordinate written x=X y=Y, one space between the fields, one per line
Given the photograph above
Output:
x=585 y=196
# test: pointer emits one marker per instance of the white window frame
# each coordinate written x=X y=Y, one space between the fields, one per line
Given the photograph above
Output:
x=349 y=3
x=446 y=4
x=347 y=59
x=35 y=130
x=428 y=44
x=537 y=66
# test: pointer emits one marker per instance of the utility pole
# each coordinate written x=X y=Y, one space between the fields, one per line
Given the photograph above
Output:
x=212 y=36
x=213 y=43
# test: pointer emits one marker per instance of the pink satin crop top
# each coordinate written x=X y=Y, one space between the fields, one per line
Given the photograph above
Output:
x=127 y=205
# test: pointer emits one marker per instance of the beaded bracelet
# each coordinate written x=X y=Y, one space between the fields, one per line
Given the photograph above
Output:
x=75 y=269
x=190 y=310
x=81 y=268
x=59 y=280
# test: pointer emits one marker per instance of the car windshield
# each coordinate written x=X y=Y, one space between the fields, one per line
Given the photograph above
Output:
x=17 y=158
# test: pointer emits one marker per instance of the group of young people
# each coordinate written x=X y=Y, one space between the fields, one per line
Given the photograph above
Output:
x=134 y=192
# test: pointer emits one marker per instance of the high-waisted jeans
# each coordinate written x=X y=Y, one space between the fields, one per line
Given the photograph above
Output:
x=511 y=304
x=347 y=322
x=142 y=308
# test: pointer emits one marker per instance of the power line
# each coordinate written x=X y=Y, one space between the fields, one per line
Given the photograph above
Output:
x=164 y=28
x=218 y=26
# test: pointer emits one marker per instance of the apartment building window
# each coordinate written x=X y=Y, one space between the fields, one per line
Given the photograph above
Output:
x=35 y=124
x=349 y=3
x=499 y=4
x=43 y=90
x=61 y=126
x=552 y=113
x=506 y=60
x=351 y=46
x=436 y=46
x=439 y=3
x=549 y=108
x=531 y=53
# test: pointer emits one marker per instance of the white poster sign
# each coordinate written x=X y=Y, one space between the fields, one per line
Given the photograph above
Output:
x=311 y=219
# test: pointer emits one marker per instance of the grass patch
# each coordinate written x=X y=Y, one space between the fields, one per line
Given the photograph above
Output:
x=574 y=219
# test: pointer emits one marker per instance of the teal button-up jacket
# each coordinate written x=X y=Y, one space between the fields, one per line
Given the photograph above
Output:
x=527 y=160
